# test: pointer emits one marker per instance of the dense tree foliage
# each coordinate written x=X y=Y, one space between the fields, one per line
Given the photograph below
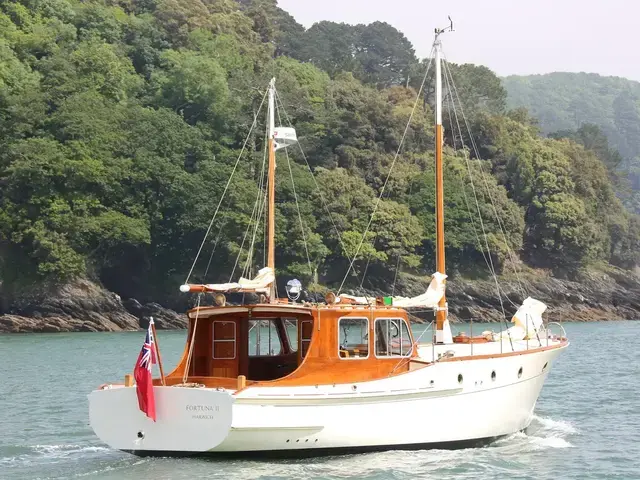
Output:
x=602 y=113
x=121 y=122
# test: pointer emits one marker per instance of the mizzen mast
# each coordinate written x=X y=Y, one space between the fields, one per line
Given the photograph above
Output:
x=271 y=185
x=443 y=332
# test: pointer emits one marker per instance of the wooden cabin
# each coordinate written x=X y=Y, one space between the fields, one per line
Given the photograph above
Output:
x=288 y=344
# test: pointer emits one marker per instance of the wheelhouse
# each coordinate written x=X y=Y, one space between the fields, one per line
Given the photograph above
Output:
x=283 y=344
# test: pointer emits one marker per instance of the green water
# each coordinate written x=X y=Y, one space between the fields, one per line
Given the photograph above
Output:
x=587 y=423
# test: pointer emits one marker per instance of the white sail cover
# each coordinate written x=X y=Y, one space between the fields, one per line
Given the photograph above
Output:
x=265 y=277
x=527 y=320
x=428 y=299
x=529 y=316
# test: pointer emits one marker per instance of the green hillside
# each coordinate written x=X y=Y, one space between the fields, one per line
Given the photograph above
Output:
x=121 y=121
x=563 y=102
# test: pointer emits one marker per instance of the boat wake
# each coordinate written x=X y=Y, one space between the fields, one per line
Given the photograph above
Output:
x=17 y=453
x=543 y=433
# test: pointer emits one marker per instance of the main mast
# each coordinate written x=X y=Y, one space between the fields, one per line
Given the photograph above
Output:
x=443 y=331
x=271 y=185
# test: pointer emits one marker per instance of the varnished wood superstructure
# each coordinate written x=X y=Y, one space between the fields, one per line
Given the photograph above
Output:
x=316 y=358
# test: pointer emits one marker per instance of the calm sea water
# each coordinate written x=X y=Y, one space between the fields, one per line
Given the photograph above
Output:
x=587 y=423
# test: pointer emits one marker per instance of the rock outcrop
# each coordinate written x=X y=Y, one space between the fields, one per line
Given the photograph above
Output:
x=82 y=306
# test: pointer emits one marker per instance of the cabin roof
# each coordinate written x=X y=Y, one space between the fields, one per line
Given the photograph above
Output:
x=284 y=309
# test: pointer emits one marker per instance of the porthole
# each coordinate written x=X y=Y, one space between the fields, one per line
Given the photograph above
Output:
x=460 y=378
x=545 y=366
x=520 y=372
x=493 y=375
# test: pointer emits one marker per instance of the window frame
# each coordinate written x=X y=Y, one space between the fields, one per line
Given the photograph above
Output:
x=301 y=347
x=271 y=321
x=375 y=339
x=368 y=338
x=294 y=321
x=235 y=340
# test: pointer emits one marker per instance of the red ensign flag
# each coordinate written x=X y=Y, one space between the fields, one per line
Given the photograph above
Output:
x=142 y=374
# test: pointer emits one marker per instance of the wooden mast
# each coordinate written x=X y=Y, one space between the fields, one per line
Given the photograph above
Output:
x=271 y=185
x=441 y=313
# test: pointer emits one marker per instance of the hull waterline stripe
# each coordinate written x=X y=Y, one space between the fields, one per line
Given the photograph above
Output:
x=320 y=452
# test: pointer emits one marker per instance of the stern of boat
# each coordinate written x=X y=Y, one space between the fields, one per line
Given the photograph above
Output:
x=188 y=420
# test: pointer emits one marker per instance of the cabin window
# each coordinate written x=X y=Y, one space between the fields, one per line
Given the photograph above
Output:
x=353 y=338
x=392 y=338
x=224 y=340
x=264 y=340
x=291 y=327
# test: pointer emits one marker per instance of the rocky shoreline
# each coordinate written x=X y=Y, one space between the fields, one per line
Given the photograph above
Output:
x=84 y=306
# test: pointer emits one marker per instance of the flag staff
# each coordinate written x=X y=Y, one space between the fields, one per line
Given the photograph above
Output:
x=157 y=345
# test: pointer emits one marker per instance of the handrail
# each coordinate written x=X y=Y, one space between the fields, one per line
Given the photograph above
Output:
x=564 y=332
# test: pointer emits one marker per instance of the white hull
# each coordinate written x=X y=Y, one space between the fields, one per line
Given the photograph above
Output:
x=422 y=408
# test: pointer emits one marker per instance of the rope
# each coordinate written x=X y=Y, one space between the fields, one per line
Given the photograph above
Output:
x=386 y=181
x=261 y=201
x=486 y=184
x=463 y=186
x=315 y=182
x=244 y=146
x=215 y=246
x=317 y=186
x=449 y=81
x=185 y=375
x=295 y=196
x=413 y=345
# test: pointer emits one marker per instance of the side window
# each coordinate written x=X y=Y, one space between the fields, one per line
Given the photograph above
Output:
x=353 y=338
x=392 y=338
x=291 y=327
x=264 y=340
x=224 y=340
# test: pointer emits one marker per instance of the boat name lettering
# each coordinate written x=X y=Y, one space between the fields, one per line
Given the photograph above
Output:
x=203 y=408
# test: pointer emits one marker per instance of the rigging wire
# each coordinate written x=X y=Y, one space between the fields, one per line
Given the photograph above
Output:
x=215 y=246
x=384 y=186
x=449 y=82
x=322 y=199
x=244 y=146
x=259 y=207
x=185 y=375
x=295 y=196
x=486 y=185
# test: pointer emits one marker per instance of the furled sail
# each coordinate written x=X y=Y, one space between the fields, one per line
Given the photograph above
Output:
x=527 y=320
x=428 y=299
x=259 y=284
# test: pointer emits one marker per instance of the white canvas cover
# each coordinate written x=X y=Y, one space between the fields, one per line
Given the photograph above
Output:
x=527 y=320
x=529 y=317
x=259 y=284
x=428 y=299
